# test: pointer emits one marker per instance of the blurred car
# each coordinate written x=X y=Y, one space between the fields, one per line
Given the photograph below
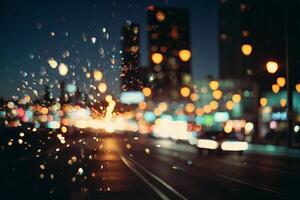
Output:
x=220 y=141
x=208 y=140
x=234 y=142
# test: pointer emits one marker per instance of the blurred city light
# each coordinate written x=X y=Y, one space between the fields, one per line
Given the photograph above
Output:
x=157 y=58
x=281 y=81
x=275 y=88
x=272 y=67
x=263 y=101
x=246 y=49
x=185 y=55
x=297 y=87
x=98 y=75
x=236 y=98
x=147 y=91
x=214 y=85
x=102 y=87
x=52 y=63
x=185 y=91
x=63 y=69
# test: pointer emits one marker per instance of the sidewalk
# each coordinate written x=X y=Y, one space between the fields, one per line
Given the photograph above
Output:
x=273 y=150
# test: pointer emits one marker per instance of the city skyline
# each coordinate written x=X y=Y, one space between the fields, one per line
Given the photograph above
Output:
x=68 y=31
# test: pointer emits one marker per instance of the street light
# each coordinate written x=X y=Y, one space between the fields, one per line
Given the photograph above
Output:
x=272 y=67
x=246 y=49
x=281 y=81
x=185 y=91
x=157 y=58
x=185 y=55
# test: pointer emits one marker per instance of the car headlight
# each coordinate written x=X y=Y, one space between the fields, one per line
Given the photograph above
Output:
x=207 y=144
x=234 y=146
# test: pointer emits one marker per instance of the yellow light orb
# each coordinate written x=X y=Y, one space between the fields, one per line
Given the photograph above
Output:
x=297 y=87
x=163 y=106
x=147 y=91
x=199 y=111
x=52 y=63
x=246 y=49
x=229 y=105
x=98 y=75
x=88 y=75
x=108 y=98
x=10 y=105
x=275 y=88
x=217 y=94
x=281 y=81
x=157 y=58
x=283 y=102
x=142 y=105
x=62 y=69
x=272 y=67
x=185 y=55
x=236 y=98
x=207 y=109
x=102 y=87
x=189 y=108
x=160 y=16
x=185 y=91
x=214 y=85
x=63 y=129
x=227 y=129
x=263 y=101
x=194 y=97
x=214 y=105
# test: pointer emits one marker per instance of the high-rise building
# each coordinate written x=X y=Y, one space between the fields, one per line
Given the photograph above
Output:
x=253 y=32
x=130 y=71
x=169 y=50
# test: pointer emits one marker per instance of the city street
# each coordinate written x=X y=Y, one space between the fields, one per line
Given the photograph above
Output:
x=149 y=99
x=94 y=165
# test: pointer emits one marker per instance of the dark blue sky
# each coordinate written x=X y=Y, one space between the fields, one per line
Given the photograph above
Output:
x=25 y=47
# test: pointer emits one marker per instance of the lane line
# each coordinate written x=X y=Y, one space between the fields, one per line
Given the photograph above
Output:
x=230 y=178
x=261 y=187
x=155 y=189
x=159 y=180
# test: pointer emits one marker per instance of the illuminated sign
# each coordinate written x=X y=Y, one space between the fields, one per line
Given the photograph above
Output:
x=132 y=97
x=71 y=88
x=221 y=116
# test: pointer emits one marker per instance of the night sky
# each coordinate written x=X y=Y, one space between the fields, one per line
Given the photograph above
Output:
x=27 y=43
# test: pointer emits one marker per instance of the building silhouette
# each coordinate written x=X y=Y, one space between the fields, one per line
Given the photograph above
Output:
x=168 y=38
x=130 y=71
x=253 y=32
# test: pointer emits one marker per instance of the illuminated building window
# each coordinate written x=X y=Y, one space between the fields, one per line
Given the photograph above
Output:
x=154 y=48
x=150 y=7
x=174 y=33
x=249 y=72
x=157 y=68
x=154 y=36
x=160 y=75
x=223 y=36
x=160 y=16
x=136 y=30
x=245 y=33
x=244 y=7
x=163 y=49
x=134 y=48
x=186 y=78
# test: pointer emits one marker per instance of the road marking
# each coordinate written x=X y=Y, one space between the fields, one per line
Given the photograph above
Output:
x=254 y=185
x=155 y=189
x=159 y=180
x=262 y=187
x=262 y=167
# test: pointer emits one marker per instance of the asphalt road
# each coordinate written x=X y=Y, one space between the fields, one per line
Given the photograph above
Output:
x=94 y=165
